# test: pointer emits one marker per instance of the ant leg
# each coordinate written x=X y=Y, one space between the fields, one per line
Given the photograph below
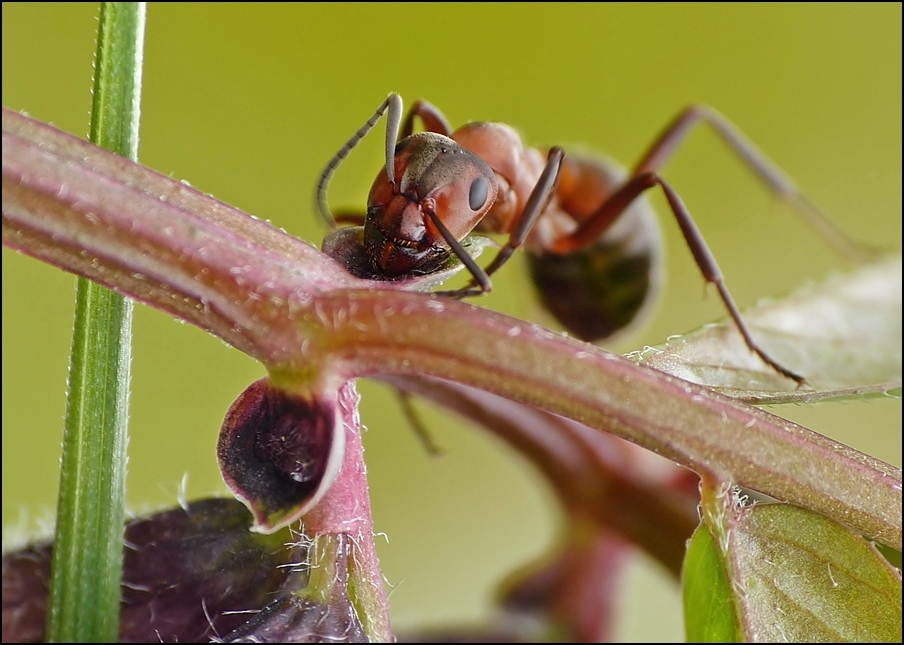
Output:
x=481 y=279
x=431 y=117
x=414 y=420
x=777 y=181
x=393 y=103
x=593 y=227
x=535 y=206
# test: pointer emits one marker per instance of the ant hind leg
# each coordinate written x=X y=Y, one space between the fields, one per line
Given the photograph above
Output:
x=608 y=212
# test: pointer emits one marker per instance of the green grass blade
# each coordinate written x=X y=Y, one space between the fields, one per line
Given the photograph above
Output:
x=87 y=557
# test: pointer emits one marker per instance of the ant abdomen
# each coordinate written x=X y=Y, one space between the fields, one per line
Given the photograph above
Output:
x=601 y=288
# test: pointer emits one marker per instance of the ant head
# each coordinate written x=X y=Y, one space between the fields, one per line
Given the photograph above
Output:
x=434 y=177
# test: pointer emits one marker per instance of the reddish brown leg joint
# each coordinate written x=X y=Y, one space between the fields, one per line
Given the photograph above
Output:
x=593 y=227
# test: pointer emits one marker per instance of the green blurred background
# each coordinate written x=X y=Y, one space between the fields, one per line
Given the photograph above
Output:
x=249 y=102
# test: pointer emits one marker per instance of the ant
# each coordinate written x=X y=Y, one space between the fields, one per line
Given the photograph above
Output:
x=594 y=252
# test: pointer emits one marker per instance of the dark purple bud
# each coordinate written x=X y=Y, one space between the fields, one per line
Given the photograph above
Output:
x=26 y=580
x=280 y=452
x=294 y=619
x=189 y=575
x=320 y=612
x=300 y=620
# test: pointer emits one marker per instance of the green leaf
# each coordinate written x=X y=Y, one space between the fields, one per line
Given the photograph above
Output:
x=843 y=336
x=802 y=577
x=708 y=612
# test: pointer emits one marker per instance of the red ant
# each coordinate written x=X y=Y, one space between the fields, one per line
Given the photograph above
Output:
x=573 y=214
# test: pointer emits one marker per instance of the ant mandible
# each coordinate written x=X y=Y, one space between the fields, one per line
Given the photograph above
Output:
x=574 y=214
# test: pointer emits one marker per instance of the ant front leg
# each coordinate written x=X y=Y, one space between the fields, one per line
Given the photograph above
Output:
x=536 y=204
x=590 y=230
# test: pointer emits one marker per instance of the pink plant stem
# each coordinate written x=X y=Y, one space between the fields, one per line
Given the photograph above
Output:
x=281 y=301
x=345 y=510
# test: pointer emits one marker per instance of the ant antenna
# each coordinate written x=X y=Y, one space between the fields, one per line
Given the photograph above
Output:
x=393 y=103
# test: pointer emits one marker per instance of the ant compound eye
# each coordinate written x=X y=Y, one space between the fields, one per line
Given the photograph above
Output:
x=478 y=195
